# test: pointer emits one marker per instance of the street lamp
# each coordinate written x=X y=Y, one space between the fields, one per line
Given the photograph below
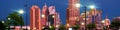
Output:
x=34 y=28
x=3 y=21
x=92 y=6
x=53 y=16
x=77 y=5
x=43 y=16
x=50 y=26
x=9 y=22
x=103 y=21
x=82 y=23
x=43 y=27
x=26 y=14
x=21 y=12
x=57 y=26
x=8 y=18
x=68 y=25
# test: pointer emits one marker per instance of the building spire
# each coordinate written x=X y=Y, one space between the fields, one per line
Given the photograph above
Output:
x=44 y=7
x=106 y=16
x=45 y=4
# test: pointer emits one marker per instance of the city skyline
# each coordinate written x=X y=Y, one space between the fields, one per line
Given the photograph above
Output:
x=61 y=7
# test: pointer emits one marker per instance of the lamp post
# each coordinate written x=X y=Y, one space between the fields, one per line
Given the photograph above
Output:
x=91 y=7
x=85 y=17
x=77 y=5
x=103 y=23
x=9 y=23
x=26 y=15
x=3 y=21
x=57 y=27
x=21 y=12
x=82 y=25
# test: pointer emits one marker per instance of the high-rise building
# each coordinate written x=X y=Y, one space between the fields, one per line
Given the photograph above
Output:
x=45 y=13
x=51 y=19
x=35 y=20
x=73 y=12
x=106 y=21
x=89 y=17
x=96 y=17
x=57 y=21
x=51 y=10
x=51 y=15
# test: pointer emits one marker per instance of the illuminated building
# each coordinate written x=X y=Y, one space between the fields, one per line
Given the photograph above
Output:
x=106 y=21
x=73 y=12
x=92 y=16
x=51 y=10
x=35 y=20
x=45 y=13
x=51 y=15
x=96 y=17
x=89 y=17
x=50 y=19
x=57 y=21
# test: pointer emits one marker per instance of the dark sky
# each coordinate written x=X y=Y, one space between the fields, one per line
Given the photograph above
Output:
x=108 y=7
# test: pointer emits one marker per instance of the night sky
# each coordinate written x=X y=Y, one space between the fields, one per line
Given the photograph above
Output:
x=108 y=7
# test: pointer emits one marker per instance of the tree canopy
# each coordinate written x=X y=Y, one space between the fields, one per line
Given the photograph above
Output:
x=115 y=23
x=16 y=18
x=91 y=26
x=2 y=26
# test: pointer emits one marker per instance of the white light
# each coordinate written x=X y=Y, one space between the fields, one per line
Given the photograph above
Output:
x=103 y=21
x=28 y=28
x=82 y=13
x=53 y=16
x=8 y=18
x=92 y=6
x=3 y=22
x=68 y=25
x=34 y=28
x=82 y=23
x=77 y=5
x=87 y=19
x=43 y=16
x=43 y=27
x=21 y=11
x=87 y=12
x=70 y=28
x=83 y=18
x=50 y=26
x=57 y=26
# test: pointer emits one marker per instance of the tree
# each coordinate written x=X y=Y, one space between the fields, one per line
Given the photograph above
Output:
x=76 y=27
x=115 y=23
x=2 y=26
x=16 y=19
x=91 y=26
x=51 y=28
x=62 y=27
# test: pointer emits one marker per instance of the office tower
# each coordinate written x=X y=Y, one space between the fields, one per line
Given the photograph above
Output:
x=51 y=15
x=73 y=13
x=35 y=18
x=45 y=13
